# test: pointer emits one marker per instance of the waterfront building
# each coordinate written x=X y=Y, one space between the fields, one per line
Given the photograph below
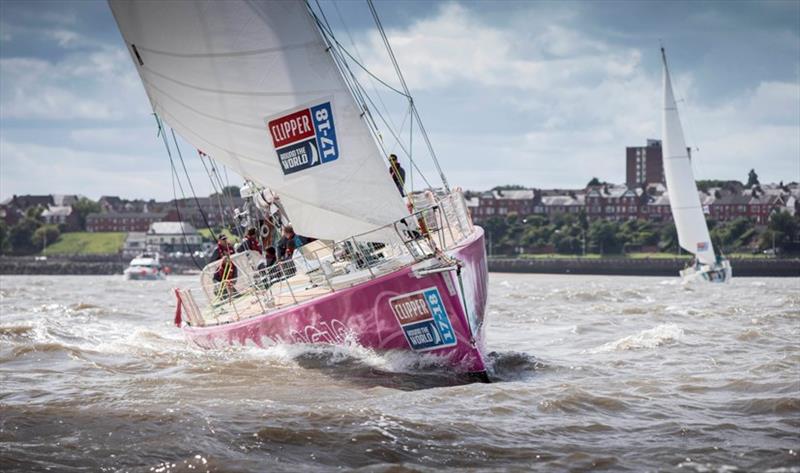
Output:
x=63 y=216
x=570 y=203
x=135 y=243
x=501 y=203
x=214 y=211
x=168 y=237
x=613 y=202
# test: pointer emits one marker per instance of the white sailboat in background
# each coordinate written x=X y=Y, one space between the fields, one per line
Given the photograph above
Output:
x=684 y=200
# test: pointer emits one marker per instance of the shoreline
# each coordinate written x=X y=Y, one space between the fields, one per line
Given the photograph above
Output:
x=98 y=265
x=743 y=267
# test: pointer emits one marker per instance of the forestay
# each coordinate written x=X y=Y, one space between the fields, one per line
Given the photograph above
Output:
x=251 y=84
x=683 y=198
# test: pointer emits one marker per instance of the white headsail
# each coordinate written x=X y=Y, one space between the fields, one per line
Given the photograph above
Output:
x=683 y=198
x=251 y=83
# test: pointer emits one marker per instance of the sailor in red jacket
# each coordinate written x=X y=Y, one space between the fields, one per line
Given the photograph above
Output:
x=251 y=241
x=226 y=270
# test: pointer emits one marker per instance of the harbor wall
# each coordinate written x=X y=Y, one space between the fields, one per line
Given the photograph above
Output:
x=743 y=267
x=81 y=265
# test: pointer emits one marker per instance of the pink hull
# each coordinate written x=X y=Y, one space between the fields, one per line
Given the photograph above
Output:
x=397 y=311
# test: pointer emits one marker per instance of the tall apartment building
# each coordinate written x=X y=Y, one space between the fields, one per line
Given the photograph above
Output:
x=644 y=164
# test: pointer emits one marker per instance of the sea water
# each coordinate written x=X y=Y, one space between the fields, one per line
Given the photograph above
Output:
x=590 y=373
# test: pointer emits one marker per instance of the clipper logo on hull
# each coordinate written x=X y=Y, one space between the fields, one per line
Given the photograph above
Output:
x=424 y=321
x=305 y=138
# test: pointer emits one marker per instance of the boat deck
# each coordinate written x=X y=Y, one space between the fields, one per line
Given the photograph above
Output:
x=321 y=267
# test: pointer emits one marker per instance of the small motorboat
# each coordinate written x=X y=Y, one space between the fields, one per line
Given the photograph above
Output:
x=145 y=267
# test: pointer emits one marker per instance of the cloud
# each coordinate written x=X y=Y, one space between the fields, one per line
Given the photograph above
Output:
x=456 y=47
x=140 y=171
x=98 y=84
x=553 y=104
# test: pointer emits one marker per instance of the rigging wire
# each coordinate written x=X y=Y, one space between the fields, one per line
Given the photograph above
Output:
x=357 y=90
x=162 y=133
x=351 y=81
x=411 y=150
x=347 y=74
x=200 y=154
x=402 y=147
x=189 y=180
x=329 y=33
x=361 y=59
x=221 y=193
x=407 y=93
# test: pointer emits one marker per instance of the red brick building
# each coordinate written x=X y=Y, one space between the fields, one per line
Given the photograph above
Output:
x=613 y=203
x=561 y=204
x=121 y=222
x=501 y=203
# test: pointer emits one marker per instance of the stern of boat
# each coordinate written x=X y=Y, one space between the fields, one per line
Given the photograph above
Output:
x=720 y=272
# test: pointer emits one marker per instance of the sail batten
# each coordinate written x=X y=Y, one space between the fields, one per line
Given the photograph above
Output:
x=253 y=85
x=687 y=210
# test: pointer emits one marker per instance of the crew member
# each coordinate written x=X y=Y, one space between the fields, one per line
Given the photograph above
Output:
x=289 y=242
x=398 y=173
x=226 y=271
x=251 y=241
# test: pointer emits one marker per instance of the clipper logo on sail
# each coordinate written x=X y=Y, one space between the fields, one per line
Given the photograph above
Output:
x=424 y=321
x=305 y=138
x=702 y=246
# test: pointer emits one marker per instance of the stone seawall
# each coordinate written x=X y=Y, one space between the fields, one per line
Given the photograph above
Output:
x=754 y=267
x=99 y=265
x=81 y=265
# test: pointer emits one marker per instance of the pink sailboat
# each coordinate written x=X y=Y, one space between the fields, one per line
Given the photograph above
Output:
x=266 y=89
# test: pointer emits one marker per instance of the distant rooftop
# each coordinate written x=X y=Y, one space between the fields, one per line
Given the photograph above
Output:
x=57 y=211
x=171 y=228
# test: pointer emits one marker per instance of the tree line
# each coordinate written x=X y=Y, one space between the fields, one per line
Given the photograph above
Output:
x=575 y=234
x=31 y=234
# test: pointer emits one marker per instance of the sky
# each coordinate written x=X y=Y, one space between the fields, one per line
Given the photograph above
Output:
x=541 y=94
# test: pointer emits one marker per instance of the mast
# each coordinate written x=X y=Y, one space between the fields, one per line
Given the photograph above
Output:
x=684 y=200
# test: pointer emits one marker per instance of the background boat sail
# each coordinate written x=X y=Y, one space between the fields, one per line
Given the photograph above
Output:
x=684 y=200
x=259 y=86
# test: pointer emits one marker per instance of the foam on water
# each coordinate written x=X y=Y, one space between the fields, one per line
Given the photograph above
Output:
x=650 y=338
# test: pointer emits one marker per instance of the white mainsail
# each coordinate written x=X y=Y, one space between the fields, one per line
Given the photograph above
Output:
x=251 y=83
x=683 y=198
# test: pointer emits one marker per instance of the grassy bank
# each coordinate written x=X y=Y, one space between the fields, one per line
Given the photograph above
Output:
x=86 y=243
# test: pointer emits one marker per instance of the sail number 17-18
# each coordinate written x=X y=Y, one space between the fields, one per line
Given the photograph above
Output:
x=325 y=131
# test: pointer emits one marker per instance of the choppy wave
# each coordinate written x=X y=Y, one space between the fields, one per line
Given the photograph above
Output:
x=646 y=339
x=574 y=401
x=14 y=331
x=509 y=366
